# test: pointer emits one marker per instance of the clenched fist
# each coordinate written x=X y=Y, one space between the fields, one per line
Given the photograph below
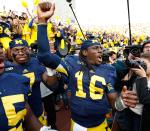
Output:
x=45 y=6
x=45 y=11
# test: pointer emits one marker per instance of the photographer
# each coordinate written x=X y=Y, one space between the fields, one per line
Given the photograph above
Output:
x=128 y=119
x=143 y=90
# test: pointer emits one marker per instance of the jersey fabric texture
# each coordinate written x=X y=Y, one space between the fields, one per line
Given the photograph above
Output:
x=13 y=96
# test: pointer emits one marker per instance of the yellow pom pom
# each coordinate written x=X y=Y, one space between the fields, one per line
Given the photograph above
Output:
x=24 y=3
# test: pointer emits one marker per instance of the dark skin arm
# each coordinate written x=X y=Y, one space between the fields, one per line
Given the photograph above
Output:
x=129 y=98
x=49 y=80
x=112 y=98
x=45 y=11
x=31 y=122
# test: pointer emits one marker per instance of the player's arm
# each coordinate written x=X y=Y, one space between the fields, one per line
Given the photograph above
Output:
x=49 y=80
x=52 y=81
x=31 y=122
x=44 y=55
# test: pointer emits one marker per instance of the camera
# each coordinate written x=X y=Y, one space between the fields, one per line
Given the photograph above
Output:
x=135 y=50
x=135 y=64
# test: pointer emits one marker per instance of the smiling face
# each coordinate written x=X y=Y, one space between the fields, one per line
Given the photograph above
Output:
x=20 y=54
x=93 y=54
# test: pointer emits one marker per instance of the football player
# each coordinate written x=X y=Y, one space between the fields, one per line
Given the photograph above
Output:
x=30 y=67
x=14 y=109
x=90 y=82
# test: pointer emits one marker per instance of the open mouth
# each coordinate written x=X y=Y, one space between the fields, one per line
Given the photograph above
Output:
x=22 y=58
x=99 y=59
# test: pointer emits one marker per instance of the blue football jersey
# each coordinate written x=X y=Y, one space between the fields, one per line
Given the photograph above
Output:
x=89 y=103
x=14 y=90
x=33 y=70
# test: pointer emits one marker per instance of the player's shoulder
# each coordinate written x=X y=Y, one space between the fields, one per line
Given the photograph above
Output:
x=72 y=60
x=108 y=70
x=34 y=60
x=107 y=67
x=16 y=77
x=71 y=57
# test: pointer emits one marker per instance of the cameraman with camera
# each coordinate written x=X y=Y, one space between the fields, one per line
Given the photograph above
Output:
x=143 y=85
x=129 y=119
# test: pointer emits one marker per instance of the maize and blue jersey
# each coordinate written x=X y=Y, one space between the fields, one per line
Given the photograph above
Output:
x=33 y=70
x=89 y=88
x=89 y=103
x=14 y=90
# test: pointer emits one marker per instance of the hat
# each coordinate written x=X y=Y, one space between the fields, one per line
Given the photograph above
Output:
x=145 y=43
x=17 y=42
x=88 y=43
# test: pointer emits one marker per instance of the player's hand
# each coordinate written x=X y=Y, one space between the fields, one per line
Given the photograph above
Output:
x=45 y=11
x=129 y=98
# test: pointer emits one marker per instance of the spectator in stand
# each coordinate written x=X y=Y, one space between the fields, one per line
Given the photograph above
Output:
x=143 y=90
x=16 y=28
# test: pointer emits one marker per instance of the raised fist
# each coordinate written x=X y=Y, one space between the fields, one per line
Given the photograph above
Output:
x=45 y=11
x=45 y=6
